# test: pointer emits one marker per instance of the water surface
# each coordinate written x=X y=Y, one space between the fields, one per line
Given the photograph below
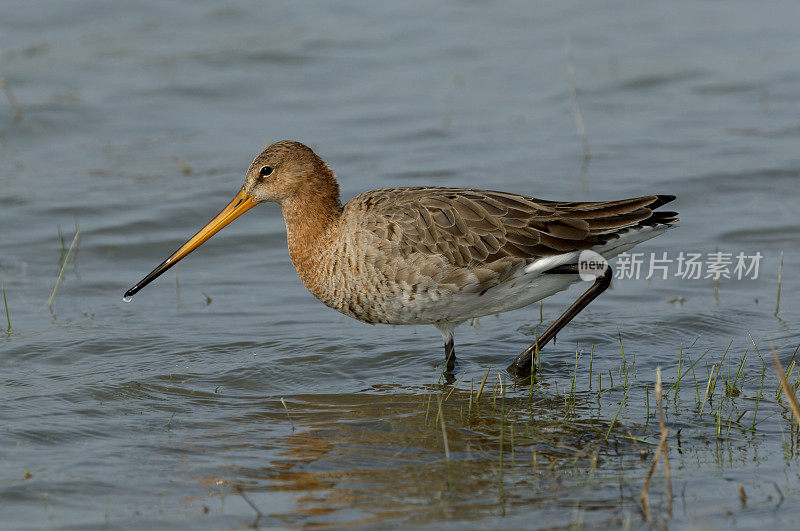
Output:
x=138 y=122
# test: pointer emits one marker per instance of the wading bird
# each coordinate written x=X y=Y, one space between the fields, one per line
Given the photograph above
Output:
x=427 y=255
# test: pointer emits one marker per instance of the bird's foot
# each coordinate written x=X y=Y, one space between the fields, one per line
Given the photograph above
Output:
x=448 y=377
x=523 y=365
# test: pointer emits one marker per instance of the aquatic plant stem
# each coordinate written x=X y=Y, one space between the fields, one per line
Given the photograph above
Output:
x=288 y=415
x=8 y=314
x=790 y=396
x=249 y=502
x=661 y=449
x=63 y=266
x=780 y=279
x=446 y=444
x=480 y=388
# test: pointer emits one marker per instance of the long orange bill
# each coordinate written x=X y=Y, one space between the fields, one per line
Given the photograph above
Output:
x=240 y=204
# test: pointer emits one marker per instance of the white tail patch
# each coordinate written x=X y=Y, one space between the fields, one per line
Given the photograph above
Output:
x=591 y=265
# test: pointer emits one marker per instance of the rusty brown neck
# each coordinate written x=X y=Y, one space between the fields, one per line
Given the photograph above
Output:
x=311 y=220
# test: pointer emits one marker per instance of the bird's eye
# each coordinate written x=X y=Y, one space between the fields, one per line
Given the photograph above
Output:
x=265 y=171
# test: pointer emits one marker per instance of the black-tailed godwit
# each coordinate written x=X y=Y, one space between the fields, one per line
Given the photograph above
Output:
x=426 y=255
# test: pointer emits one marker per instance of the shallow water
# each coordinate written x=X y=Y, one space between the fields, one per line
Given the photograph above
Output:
x=137 y=124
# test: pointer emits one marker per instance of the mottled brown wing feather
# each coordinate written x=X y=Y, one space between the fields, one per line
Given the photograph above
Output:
x=475 y=228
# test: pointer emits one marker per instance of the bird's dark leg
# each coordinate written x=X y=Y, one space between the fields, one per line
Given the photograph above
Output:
x=522 y=365
x=450 y=355
x=447 y=328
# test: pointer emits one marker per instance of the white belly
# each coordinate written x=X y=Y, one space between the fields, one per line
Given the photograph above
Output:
x=515 y=293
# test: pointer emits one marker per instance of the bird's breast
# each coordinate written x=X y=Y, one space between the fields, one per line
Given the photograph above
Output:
x=359 y=276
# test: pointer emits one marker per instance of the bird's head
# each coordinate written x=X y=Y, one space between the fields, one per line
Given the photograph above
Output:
x=284 y=172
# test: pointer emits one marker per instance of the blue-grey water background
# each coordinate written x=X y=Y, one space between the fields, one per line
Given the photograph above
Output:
x=138 y=120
